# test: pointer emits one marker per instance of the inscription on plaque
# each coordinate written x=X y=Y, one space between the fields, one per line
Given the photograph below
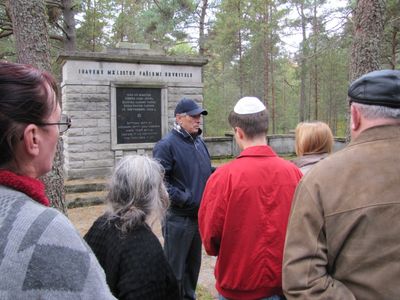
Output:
x=138 y=115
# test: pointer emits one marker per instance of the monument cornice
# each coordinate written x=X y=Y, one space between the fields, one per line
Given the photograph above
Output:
x=132 y=57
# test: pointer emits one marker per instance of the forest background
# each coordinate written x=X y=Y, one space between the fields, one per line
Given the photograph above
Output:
x=244 y=41
x=294 y=55
x=298 y=56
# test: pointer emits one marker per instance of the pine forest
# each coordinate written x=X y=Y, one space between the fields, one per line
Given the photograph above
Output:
x=298 y=56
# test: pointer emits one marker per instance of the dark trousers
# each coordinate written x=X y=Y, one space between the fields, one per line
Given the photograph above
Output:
x=182 y=247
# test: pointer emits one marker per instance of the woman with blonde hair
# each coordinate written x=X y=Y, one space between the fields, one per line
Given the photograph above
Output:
x=122 y=239
x=314 y=142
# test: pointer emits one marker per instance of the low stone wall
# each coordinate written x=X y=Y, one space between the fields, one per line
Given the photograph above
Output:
x=282 y=144
x=219 y=147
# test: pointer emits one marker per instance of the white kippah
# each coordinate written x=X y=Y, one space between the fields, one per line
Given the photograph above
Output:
x=248 y=105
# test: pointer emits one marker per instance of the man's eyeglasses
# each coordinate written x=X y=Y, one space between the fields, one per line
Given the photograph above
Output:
x=63 y=125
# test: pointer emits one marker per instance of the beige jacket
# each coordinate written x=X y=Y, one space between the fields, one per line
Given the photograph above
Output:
x=343 y=238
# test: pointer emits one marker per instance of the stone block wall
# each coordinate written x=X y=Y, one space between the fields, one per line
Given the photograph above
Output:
x=87 y=145
x=88 y=89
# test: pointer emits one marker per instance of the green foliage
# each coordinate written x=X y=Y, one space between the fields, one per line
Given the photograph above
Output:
x=287 y=94
x=237 y=66
x=391 y=47
x=220 y=95
x=164 y=22
x=7 y=49
x=244 y=48
x=92 y=26
x=127 y=26
x=182 y=48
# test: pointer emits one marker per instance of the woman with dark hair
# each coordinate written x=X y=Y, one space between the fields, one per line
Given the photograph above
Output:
x=122 y=240
x=42 y=255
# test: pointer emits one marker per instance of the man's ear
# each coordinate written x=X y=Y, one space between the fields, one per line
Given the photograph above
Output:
x=239 y=132
x=179 y=119
x=31 y=139
x=355 y=120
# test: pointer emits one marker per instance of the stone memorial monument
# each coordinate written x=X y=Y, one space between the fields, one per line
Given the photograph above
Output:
x=121 y=102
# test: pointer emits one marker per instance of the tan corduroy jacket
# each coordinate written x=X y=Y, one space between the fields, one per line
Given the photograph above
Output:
x=343 y=238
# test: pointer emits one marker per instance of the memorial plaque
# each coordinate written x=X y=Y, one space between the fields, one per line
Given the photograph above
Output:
x=138 y=115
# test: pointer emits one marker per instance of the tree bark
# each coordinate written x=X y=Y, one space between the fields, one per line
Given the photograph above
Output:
x=202 y=25
x=32 y=44
x=368 y=34
x=272 y=83
x=393 y=53
x=369 y=18
x=69 y=25
x=315 y=62
x=202 y=22
x=303 y=61
x=266 y=54
x=30 y=32
x=240 y=50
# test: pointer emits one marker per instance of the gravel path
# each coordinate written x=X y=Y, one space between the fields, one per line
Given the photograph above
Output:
x=83 y=218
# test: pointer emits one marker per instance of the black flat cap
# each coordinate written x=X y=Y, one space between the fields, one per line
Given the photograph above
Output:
x=377 y=88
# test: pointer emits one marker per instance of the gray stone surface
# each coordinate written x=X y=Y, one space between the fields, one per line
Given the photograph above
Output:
x=88 y=87
x=88 y=94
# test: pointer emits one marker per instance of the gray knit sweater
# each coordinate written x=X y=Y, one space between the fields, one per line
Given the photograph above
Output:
x=42 y=256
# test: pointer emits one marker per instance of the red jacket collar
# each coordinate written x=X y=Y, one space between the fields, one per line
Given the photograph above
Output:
x=263 y=150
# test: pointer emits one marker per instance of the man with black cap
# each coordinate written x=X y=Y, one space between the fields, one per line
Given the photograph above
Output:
x=343 y=239
x=187 y=164
x=245 y=209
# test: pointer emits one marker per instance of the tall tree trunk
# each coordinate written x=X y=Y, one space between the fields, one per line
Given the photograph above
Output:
x=331 y=112
x=310 y=92
x=273 y=98
x=394 y=43
x=122 y=33
x=267 y=55
x=94 y=27
x=303 y=71
x=202 y=22
x=69 y=25
x=272 y=83
x=30 y=32
x=240 y=50
x=32 y=44
x=316 y=92
x=202 y=40
x=284 y=114
x=367 y=40
x=315 y=62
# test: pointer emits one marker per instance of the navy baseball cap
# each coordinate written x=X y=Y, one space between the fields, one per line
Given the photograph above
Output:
x=377 y=88
x=190 y=107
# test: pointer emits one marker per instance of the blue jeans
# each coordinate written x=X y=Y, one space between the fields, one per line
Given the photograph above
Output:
x=274 y=297
x=182 y=247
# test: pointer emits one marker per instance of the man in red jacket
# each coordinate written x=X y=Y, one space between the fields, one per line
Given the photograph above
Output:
x=245 y=208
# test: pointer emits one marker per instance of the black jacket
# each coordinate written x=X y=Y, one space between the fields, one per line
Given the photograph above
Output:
x=134 y=263
x=187 y=167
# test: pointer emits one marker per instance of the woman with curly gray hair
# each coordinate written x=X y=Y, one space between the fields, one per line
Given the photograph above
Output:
x=122 y=239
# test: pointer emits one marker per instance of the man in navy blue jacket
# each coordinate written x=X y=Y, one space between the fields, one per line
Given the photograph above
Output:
x=187 y=164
